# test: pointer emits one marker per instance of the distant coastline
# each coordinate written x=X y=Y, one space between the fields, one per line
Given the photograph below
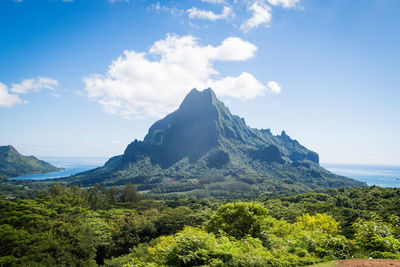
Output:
x=69 y=165
x=372 y=174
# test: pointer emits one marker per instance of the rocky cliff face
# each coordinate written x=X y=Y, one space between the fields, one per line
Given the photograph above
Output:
x=190 y=132
x=202 y=141
x=202 y=123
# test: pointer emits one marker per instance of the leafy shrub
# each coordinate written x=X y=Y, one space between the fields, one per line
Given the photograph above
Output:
x=318 y=222
x=376 y=235
x=237 y=219
x=195 y=247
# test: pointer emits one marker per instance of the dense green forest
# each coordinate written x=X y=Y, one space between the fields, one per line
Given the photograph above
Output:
x=116 y=226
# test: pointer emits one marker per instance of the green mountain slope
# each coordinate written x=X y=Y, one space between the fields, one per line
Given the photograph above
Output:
x=14 y=164
x=204 y=149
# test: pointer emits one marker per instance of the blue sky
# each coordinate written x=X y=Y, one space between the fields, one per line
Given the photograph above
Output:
x=86 y=77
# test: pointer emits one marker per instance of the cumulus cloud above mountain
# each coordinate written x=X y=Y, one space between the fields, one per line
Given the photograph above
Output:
x=153 y=83
x=274 y=87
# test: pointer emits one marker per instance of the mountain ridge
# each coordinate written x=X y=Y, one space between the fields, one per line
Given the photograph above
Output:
x=13 y=164
x=201 y=147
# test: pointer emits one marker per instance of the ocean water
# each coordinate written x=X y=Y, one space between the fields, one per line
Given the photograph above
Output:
x=70 y=165
x=380 y=175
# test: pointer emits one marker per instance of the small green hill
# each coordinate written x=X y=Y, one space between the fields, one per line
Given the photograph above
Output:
x=204 y=150
x=13 y=164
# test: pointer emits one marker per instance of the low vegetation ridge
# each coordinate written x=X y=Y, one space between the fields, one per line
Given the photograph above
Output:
x=13 y=164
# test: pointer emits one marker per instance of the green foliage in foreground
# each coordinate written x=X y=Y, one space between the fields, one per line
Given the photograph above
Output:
x=117 y=226
x=344 y=205
x=242 y=234
x=82 y=227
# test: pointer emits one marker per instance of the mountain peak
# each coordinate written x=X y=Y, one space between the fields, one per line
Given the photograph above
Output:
x=191 y=131
x=208 y=91
x=196 y=99
x=8 y=149
x=202 y=143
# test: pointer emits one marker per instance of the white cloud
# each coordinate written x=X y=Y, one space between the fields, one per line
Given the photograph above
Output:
x=153 y=83
x=6 y=99
x=34 y=85
x=206 y=14
x=245 y=86
x=284 y=3
x=261 y=16
x=274 y=87
x=243 y=14
x=236 y=49
x=26 y=86
x=214 y=1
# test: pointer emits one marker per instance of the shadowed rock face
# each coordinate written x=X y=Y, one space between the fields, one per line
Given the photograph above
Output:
x=191 y=131
x=297 y=156
x=268 y=154
x=202 y=140
x=202 y=123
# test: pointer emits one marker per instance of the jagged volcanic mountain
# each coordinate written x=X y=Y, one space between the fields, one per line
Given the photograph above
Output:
x=203 y=149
